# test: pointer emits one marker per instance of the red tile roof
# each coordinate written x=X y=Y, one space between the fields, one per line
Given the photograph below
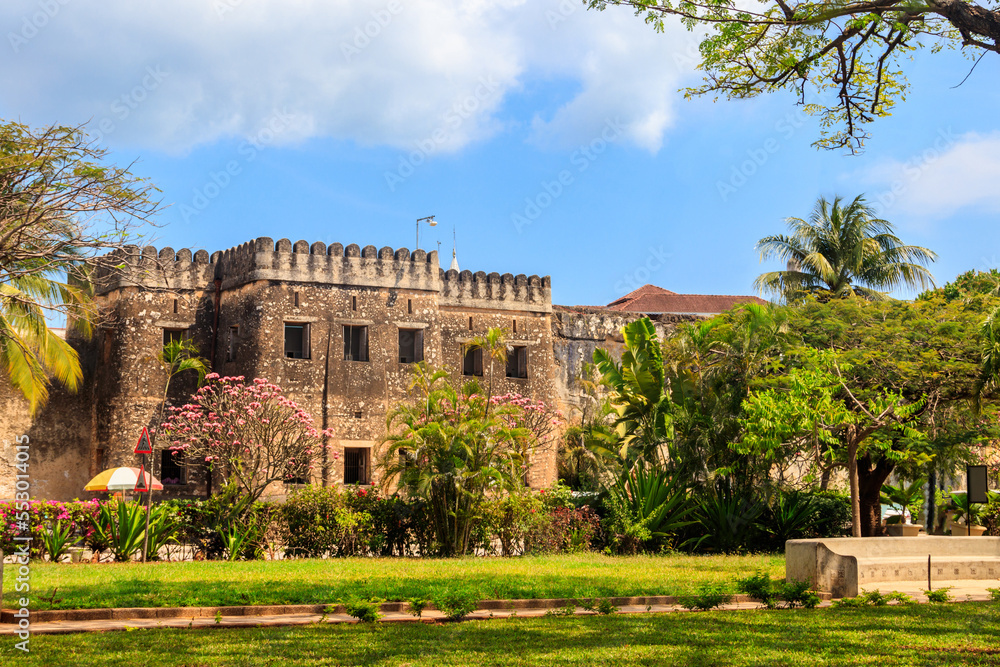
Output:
x=653 y=299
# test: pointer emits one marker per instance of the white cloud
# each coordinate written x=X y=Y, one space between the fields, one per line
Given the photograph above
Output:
x=953 y=172
x=177 y=75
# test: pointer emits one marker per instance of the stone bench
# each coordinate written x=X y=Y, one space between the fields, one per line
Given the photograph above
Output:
x=844 y=565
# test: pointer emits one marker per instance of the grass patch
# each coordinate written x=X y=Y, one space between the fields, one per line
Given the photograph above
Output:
x=882 y=636
x=216 y=583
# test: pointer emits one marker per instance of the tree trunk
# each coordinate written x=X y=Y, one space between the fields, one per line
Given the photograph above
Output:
x=871 y=477
x=852 y=473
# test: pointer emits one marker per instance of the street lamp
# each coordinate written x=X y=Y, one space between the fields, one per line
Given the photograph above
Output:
x=430 y=221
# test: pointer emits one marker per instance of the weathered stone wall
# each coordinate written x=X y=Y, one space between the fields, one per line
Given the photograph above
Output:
x=59 y=438
x=578 y=331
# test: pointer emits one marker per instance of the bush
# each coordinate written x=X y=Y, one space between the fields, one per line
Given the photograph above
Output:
x=456 y=603
x=709 y=596
x=74 y=521
x=798 y=594
x=758 y=586
x=832 y=512
x=366 y=611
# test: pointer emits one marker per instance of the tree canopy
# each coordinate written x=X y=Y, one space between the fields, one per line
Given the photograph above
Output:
x=59 y=206
x=851 y=51
x=842 y=250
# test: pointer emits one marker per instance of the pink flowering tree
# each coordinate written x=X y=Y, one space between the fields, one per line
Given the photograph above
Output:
x=250 y=431
x=539 y=420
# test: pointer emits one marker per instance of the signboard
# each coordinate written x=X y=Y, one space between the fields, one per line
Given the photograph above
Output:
x=140 y=482
x=144 y=446
x=977 y=484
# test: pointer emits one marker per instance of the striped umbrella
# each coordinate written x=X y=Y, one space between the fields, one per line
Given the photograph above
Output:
x=120 y=479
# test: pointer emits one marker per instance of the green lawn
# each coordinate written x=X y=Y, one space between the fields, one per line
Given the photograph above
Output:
x=958 y=633
x=192 y=584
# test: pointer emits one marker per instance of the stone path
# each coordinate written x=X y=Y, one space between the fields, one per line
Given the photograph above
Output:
x=960 y=591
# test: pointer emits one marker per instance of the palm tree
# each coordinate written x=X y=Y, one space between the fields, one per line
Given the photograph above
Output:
x=842 y=251
x=31 y=353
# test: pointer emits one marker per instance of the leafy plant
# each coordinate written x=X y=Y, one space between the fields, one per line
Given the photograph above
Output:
x=121 y=526
x=965 y=511
x=162 y=529
x=605 y=607
x=907 y=497
x=57 y=539
x=758 y=586
x=994 y=594
x=939 y=595
x=709 y=596
x=727 y=520
x=456 y=603
x=366 y=611
x=875 y=598
x=790 y=517
x=798 y=593
x=416 y=606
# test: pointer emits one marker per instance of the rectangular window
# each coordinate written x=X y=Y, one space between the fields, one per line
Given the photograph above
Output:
x=472 y=364
x=170 y=335
x=171 y=467
x=297 y=340
x=355 y=343
x=411 y=346
x=517 y=362
x=234 y=339
x=356 y=465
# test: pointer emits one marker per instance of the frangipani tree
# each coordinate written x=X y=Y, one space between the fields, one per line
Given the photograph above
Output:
x=252 y=432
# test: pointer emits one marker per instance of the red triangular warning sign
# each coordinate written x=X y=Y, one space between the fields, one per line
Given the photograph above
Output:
x=144 y=446
x=140 y=482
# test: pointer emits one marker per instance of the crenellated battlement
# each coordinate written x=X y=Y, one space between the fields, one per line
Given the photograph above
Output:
x=302 y=262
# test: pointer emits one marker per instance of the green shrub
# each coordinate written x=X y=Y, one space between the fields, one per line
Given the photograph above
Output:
x=939 y=595
x=416 y=606
x=758 y=586
x=726 y=520
x=994 y=594
x=709 y=596
x=798 y=594
x=57 y=539
x=456 y=603
x=366 y=611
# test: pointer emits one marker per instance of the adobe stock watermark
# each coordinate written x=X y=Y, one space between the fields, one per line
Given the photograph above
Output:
x=461 y=110
x=363 y=35
x=913 y=169
x=551 y=190
x=740 y=174
x=22 y=540
x=35 y=22
x=124 y=105
x=248 y=151
x=656 y=258
x=562 y=12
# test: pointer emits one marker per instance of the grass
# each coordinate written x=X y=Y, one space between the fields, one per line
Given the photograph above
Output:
x=951 y=634
x=216 y=583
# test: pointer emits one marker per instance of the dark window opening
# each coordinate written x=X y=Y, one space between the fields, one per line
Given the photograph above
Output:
x=171 y=467
x=407 y=459
x=296 y=474
x=472 y=364
x=358 y=414
x=356 y=465
x=515 y=325
x=234 y=339
x=296 y=340
x=354 y=303
x=175 y=305
x=411 y=346
x=517 y=362
x=296 y=299
x=170 y=335
x=355 y=343
x=470 y=322
x=409 y=306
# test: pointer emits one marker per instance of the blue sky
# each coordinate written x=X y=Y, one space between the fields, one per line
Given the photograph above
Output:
x=552 y=139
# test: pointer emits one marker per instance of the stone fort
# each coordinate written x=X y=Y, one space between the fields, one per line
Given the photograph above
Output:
x=337 y=327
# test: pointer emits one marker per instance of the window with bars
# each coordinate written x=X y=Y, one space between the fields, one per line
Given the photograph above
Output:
x=356 y=465
x=472 y=364
x=172 y=467
x=517 y=362
x=355 y=343
x=411 y=346
x=297 y=340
